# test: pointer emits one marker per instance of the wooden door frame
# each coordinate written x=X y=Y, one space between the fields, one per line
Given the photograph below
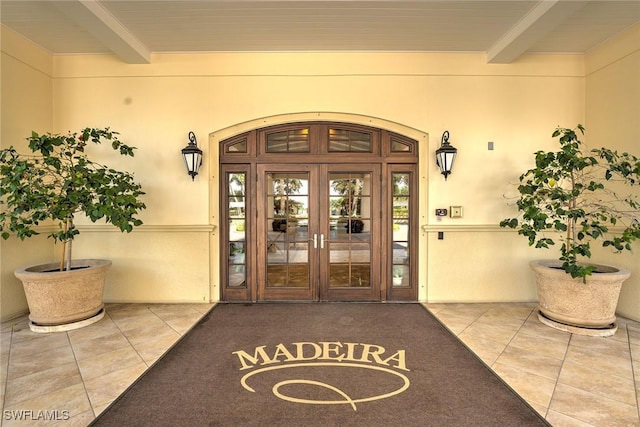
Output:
x=353 y=294
x=263 y=293
x=421 y=169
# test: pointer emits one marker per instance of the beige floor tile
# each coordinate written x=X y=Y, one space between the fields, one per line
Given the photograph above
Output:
x=61 y=404
x=3 y=382
x=516 y=314
x=634 y=334
x=126 y=310
x=113 y=306
x=540 y=345
x=7 y=327
x=126 y=323
x=621 y=334
x=4 y=367
x=608 y=345
x=103 y=390
x=102 y=364
x=628 y=322
x=522 y=309
x=557 y=419
x=106 y=326
x=542 y=410
x=435 y=307
x=151 y=350
x=455 y=322
x=533 y=388
x=619 y=366
x=24 y=364
x=144 y=331
x=490 y=332
x=528 y=361
x=80 y=420
x=592 y=408
x=634 y=349
x=43 y=382
x=101 y=344
x=490 y=318
x=171 y=311
x=598 y=382
x=183 y=324
x=473 y=310
x=124 y=314
x=203 y=308
x=98 y=409
x=635 y=361
x=488 y=351
x=5 y=343
x=20 y=329
x=38 y=343
x=533 y=326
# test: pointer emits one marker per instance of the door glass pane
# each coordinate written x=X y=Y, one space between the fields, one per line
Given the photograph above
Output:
x=349 y=229
x=296 y=141
x=400 y=146
x=236 y=247
x=349 y=141
x=237 y=147
x=401 y=199
x=287 y=218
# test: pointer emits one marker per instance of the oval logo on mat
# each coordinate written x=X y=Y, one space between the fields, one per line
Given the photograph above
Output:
x=325 y=373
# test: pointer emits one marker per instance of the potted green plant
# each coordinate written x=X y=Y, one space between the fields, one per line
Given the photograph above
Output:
x=53 y=184
x=398 y=273
x=570 y=196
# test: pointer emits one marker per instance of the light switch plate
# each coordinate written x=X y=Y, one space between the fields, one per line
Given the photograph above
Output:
x=455 y=211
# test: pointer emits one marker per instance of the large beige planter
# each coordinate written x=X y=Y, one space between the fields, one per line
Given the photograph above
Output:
x=568 y=301
x=58 y=298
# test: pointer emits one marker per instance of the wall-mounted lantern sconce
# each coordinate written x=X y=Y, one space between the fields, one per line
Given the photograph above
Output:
x=192 y=156
x=445 y=155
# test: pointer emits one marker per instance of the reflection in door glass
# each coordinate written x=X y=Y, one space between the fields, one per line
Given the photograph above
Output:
x=350 y=229
x=287 y=237
x=236 y=210
x=288 y=141
x=401 y=198
x=349 y=140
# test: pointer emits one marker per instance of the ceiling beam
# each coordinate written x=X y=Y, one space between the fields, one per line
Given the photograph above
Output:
x=100 y=23
x=541 y=19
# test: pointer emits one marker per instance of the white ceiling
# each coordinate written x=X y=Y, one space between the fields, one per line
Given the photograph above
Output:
x=134 y=30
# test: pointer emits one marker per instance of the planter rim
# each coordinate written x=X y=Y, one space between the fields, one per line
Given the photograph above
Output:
x=553 y=266
x=40 y=269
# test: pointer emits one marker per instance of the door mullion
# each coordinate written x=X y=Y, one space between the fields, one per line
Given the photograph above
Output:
x=324 y=232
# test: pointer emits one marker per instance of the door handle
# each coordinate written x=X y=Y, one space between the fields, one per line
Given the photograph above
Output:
x=315 y=241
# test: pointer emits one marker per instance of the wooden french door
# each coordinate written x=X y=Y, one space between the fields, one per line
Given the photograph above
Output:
x=318 y=211
x=318 y=232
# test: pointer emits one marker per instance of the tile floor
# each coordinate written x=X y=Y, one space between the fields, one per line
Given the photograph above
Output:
x=74 y=375
x=572 y=380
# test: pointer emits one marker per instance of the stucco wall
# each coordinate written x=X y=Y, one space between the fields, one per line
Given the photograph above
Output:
x=26 y=105
x=613 y=119
x=515 y=106
x=154 y=106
